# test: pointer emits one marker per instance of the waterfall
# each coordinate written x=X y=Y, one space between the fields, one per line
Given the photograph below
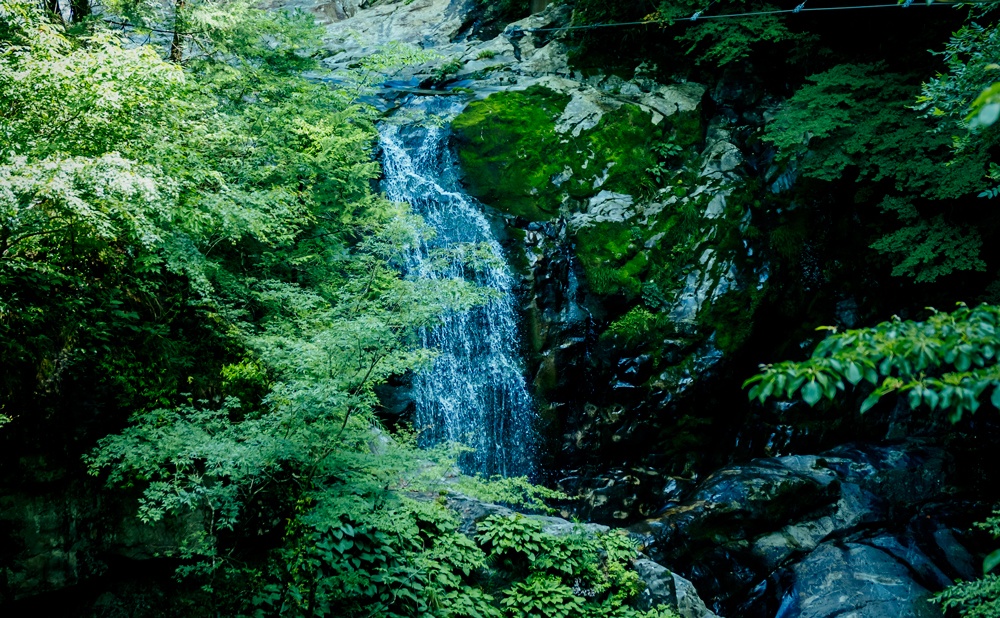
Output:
x=474 y=393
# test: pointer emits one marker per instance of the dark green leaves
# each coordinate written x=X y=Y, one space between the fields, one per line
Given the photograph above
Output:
x=947 y=363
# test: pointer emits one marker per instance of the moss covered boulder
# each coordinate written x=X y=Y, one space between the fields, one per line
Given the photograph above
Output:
x=531 y=153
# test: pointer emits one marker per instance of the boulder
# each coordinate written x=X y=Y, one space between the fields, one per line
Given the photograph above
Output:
x=665 y=586
x=858 y=580
x=829 y=522
x=427 y=24
x=662 y=585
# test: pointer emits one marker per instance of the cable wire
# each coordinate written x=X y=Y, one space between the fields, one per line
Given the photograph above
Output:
x=801 y=8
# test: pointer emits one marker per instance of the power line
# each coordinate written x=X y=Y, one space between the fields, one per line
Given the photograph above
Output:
x=801 y=8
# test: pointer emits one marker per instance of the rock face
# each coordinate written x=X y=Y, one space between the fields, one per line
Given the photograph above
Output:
x=64 y=532
x=625 y=208
x=858 y=579
x=428 y=24
x=810 y=536
x=664 y=586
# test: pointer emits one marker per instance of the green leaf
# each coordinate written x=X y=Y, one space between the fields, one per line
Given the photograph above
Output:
x=991 y=561
x=853 y=373
x=765 y=392
x=916 y=395
x=956 y=414
x=795 y=385
x=870 y=402
x=995 y=398
x=931 y=398
x=830 y=389
x=812 y=392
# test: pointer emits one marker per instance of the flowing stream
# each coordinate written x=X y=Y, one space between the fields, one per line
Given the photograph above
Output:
x=474 y=393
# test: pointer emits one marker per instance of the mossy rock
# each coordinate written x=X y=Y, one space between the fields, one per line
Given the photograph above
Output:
x=503 y=147
x=515 y=160
x=612 y=258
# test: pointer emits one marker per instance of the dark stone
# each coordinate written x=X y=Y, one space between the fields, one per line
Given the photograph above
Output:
x=666 y=587
x=858 y=580
x=743 y=524
x=956 y=555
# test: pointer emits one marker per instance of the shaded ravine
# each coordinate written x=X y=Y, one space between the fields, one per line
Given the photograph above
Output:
x=474 y=393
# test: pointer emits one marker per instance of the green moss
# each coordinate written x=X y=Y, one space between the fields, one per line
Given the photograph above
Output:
x=625 y=137
x=639 y=325
x=687 y=128
x=517 y=255
x=731 y=317
x=611 y=258
x=511 y=153
x=505 y=142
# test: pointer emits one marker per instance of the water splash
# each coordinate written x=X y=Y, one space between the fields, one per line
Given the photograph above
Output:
x=475 y=392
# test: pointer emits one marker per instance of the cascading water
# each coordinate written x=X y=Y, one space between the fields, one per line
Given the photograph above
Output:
x=474 y=393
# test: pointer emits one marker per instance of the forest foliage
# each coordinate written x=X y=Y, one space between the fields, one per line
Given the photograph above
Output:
x=190 y=240
x=189 y=236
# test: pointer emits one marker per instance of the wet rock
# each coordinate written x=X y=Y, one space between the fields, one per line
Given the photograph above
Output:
x=664 y=586
x=721 y=157
x=429 y=24
x=326 y=11
x=858 y=580
x=666 y=100
x=613 y=495
x=956 y=555
x=605 y=207
x=744 y=523
x=853 y=508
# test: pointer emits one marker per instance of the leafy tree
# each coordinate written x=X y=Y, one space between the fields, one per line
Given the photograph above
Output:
x=963 y=93
x=948 y=362
x=853 y=122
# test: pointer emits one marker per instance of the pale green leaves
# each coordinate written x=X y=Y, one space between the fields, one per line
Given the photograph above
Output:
x=948 y=363
x=100 y=201
x=91 y=100
x=985 y=110
x=969 y=90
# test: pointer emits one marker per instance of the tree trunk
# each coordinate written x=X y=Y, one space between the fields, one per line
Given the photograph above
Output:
x=176 y=44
